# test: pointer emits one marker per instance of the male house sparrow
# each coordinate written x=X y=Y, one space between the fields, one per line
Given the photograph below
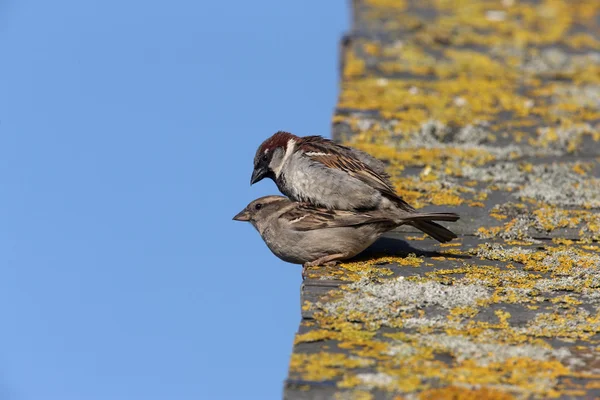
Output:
x=300 y=233
x=318 y=171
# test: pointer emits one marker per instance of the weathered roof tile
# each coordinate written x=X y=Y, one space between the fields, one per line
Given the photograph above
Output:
x=490 y=109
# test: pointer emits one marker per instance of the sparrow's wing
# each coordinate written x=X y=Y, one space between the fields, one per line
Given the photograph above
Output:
x=375 y=164
x=346 y=159
x=307 y=218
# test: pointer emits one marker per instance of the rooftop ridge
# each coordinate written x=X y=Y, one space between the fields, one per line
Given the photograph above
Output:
x=490 y=110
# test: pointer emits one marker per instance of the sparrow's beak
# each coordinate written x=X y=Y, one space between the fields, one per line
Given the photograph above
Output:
x=242 y=216
x=257 y=175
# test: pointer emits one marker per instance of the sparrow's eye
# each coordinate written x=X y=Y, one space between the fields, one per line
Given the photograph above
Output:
x=257 y=206
x=264 y=157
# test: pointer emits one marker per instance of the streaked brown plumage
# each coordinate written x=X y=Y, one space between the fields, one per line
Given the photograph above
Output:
x=318 y=171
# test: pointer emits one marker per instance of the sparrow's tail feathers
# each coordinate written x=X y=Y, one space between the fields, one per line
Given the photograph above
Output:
x=432 y=217
x=434 y=230
x=424 y=222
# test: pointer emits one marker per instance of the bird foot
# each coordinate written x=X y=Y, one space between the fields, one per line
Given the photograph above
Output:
x=321 y=262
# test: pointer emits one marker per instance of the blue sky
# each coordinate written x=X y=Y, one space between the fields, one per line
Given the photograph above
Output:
x=127 y=132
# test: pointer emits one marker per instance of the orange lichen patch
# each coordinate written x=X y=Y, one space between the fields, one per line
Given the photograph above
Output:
x=454 y=252
x=338 y=118
x=583 y=41
x=581 y=169
x=417 y=237
x=371 y=269
x=407 y=58
x=356 y=336
x=372 y=48
x=472 y=63
x=481 y=196
x=449 y=157
x=526 y=167
x=562 y=241
x=409 y=261
x=405 y=365
x=324 y=366
x=591 y=247
x=489 y=276
x=354 y=271
x=419 y=192
x=367 y=349
x=568 y=132
x=455 y=393
x=519 y=23
x=566 y=299
x=444 y=197
x=488 y=233
x=558 y=260
x=476 y=204
x=459 y=313
x=353 y=66
x=353 y=395
x=550 y=218
x=520 y=372
x=438 y=100
x=544 y=219
x=397 y=5
x=518 y=243
x=574 y=324
x=498 y=216
x=307 y=305
x=593 y=385
x=450 y=244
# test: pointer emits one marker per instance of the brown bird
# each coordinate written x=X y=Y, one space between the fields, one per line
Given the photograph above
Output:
x=300 y=233
x=318 y=171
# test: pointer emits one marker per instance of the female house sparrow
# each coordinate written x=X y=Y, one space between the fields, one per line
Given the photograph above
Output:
x=320 y=172
x=304 y=234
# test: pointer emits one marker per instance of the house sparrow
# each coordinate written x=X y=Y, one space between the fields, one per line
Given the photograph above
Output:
x=318 y=171
x=300 y=233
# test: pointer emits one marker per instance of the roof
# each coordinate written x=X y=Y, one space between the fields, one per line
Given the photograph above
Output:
x=490 y=109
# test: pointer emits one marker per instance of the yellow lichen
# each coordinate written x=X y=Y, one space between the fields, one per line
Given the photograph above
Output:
x=324 y=366
x=353 y=66
x=455 y=393
x=508 y=72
